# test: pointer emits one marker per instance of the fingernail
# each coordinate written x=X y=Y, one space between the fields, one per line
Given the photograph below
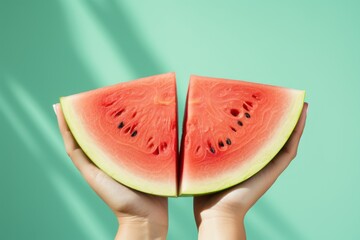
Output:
x=55 y=108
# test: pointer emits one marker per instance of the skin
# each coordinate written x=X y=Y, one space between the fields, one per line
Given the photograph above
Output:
x=221 y=215
x=140 y=216
x=218 y=216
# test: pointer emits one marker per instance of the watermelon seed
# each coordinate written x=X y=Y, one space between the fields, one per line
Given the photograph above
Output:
x=256 y=96
x=134 y=114
x=127 y=130
x=119 y=112
x=249 y=103
x=228 y=141
x=240 y=123
x=211 y=147
x=156 y=152
x=232 y=128
x=133 y=127
x=247 y=115
x=234 y=112
x=108 y=104
x=121 y=125
x=245 y=107
x=197 y=149
x=134 y=133
x=221 y=144
x=163 y=146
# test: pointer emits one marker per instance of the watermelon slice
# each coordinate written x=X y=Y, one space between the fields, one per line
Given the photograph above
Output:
x=129 y=130
x=232 y=129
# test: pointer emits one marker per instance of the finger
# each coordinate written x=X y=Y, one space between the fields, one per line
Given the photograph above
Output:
x=106 y=187
x=288 y=152
x=292 y=144
x=103 y=185
x=264 y=179
x=76 y=154
x=79 y=158
x=111 y=191
x=69 y=141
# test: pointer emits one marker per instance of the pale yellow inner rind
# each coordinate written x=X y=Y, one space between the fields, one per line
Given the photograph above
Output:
x=104 y=161
x=259 y=160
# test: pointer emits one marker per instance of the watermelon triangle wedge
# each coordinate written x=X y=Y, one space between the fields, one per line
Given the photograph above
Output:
x=232 y=129
x=129 y=130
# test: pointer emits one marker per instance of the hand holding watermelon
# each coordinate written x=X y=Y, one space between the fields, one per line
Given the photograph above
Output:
x=126 y=138
x=223 y=212
x=140 y=216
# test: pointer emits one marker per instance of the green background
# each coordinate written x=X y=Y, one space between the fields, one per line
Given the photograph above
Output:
x=54 y=48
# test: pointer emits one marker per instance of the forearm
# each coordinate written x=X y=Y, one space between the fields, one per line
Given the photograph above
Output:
x=142 y=230
x=222 y=227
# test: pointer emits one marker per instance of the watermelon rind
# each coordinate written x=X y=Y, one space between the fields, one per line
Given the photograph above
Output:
x=104 y=161
x=210 y=184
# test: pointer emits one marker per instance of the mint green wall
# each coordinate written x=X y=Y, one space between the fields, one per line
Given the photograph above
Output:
x=60 y=47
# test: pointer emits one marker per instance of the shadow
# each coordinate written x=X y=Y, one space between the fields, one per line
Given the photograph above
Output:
x=267 y=214
x=254 y=232
x=35 y=115
x=37 y=47
x=115 y=20
x=48 y=169
x=41 y=193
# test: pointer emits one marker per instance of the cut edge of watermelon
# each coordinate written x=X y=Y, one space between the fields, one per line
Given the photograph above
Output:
x=259 y=161
x=103 y=161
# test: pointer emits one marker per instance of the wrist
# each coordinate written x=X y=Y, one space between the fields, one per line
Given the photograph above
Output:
x=224 y=212
x=140 y=228
x=222 y=226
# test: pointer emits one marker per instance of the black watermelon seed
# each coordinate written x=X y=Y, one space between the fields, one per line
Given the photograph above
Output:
x=134 y=133
x=247 y=115
x=221 y=144
x=121 y=125
x=197 y=149
x=228 y=141
x=240 y=123
x=212 y=150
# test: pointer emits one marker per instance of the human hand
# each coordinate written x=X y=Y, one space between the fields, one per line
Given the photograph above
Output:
x=226 y=210
x=140 y=215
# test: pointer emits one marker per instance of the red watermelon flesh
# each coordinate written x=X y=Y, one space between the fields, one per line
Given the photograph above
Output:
x=130 y=131
x=232 y=129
